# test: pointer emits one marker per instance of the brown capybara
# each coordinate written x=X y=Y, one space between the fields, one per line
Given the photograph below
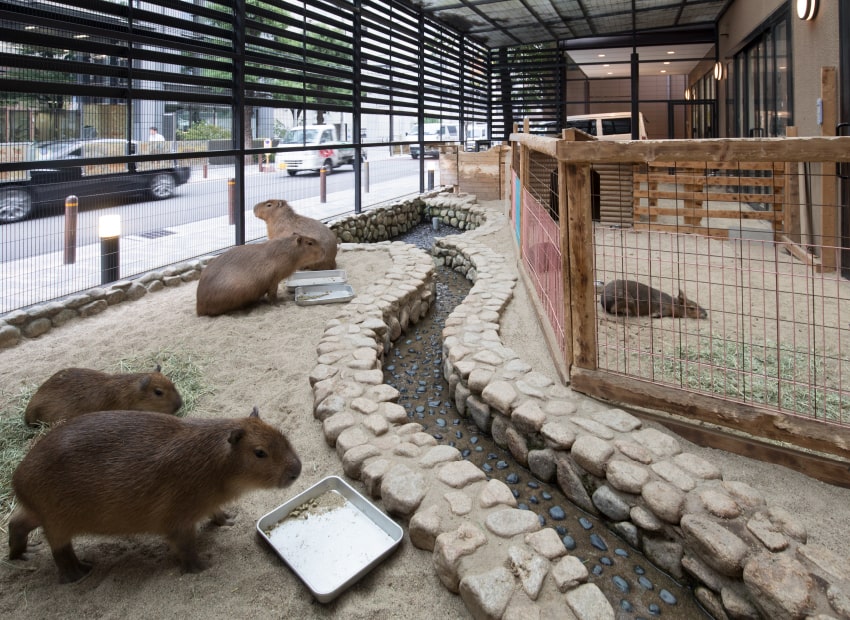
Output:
x=75 y=391
x=111 y=473
x=243 y=274
x=632 y=298
x=282 y=220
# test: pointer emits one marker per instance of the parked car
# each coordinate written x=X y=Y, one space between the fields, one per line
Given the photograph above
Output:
x=23 y=195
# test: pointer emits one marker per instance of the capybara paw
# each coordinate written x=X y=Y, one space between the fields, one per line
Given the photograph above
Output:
x=222 y=518
x=193 y=566
x=75 y=573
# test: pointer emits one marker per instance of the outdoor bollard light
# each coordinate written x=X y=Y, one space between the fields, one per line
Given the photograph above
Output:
x=430 y=175
x=109 y=231
x=231 y=204
x=323 y=185
x=71 y=208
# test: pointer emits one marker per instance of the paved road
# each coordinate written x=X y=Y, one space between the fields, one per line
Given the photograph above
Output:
x=206 y=198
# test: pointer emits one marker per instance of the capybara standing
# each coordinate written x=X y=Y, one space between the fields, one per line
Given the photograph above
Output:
x=632 y=298
x=75 y=391
x=108 y=473
x=282 y=220
x=243 y=274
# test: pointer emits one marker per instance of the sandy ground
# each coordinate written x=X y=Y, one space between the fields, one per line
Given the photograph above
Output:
x=263 y=357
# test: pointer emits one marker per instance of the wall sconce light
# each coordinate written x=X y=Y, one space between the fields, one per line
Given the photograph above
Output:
x=807 y=9
x=718 y=71
x=687 y=93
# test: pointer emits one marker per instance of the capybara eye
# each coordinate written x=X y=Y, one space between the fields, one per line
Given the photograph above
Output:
x=158 y=392
x=260 y=453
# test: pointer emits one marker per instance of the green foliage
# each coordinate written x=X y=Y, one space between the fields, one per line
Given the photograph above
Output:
x=203 y=131
x=797 y=381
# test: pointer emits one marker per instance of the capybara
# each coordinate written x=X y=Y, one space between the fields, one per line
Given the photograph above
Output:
x=108 y=473
x=282 y=220
x=75 y=391
x=632 y=298
x=243 y=274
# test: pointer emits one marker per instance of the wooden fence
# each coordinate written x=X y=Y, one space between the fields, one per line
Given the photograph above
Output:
x=690 y=181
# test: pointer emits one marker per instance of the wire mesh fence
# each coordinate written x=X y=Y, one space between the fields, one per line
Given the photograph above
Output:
x=712 y=277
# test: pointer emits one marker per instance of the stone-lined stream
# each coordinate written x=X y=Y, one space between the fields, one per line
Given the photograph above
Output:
x=635 y=588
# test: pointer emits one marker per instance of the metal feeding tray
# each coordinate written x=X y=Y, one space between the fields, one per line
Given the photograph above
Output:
x=330 y=536
x=323 y=294
x=313 y=278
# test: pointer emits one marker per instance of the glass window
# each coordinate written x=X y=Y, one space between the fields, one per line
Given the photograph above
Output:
x=611 y=126
x=758 y=88
x=587 y=126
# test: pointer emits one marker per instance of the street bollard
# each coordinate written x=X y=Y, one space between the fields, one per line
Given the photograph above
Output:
x=71 y=209
x=205 y=171
x=431 y=167
x=366 y=176
x=323 y=185
x=231 y=200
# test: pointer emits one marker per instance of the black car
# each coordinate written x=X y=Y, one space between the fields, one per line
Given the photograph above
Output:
x=47 y=187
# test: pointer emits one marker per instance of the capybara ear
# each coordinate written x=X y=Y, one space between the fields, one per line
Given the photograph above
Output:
x=158 y=368
x=255 y=413
x=299 y=239
x=145 y=382
x=235 y=436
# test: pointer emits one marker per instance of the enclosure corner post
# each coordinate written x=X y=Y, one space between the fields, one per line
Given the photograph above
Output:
x=582 y=288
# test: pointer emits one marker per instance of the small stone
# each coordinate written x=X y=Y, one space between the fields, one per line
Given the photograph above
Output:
x=511 y=521
x=487 y=595
x=569 y=572
x=588 y=602
x=557 y=513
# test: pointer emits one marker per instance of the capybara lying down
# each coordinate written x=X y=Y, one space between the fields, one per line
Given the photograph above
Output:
x=243 y=274
x=282 y=220
x=632 y=298
x=109 y=473
x=75 y=391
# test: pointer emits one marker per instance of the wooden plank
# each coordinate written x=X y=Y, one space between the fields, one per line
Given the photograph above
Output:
x=717 y=233
x=719 y=181
x=829 y=193
x=715 y=165
x=829 y=470
x=798 y=252
x=771 y=216
x=828 y=149
x=761 y=422
x=582 y=287
x=566 y=286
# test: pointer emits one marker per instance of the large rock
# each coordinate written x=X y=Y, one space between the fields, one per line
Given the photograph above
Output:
x=717 y=546
x=487 y=595
x=402 y=490
x=782 y=586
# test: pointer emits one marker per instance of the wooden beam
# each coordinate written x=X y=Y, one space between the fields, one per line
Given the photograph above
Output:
x=820 y=467
x=714 y=150
x=817 y=435
x=582 y=287
x=829 y=194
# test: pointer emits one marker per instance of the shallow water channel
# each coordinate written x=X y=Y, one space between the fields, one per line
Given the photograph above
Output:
x=635 y=588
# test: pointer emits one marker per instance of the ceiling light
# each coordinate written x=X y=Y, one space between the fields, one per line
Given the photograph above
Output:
x=718 y=71
x=664 y=71
x=671 y=52
x=807 y=9
x=601 y=55
x=666 y=62
x=610 y=73
x=81 y=36
x=606 y=65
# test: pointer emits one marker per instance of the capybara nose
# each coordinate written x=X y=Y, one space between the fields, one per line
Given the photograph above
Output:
x=295 y=471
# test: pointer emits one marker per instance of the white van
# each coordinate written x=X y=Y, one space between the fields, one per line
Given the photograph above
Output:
x=607 y=126
x=433 y=132
x=328 y=153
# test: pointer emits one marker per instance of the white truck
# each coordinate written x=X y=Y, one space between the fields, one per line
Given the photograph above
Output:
x=326 y=152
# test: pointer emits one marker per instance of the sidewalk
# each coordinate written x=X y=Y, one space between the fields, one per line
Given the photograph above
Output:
x=45 y=277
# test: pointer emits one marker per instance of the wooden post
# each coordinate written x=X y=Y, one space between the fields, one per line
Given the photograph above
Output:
x=582 y=287
x=566 y=280
x=792 y=195
x=829 y=195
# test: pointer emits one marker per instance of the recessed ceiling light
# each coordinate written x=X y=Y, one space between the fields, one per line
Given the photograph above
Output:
x=81 y=36
x=664 y=71
x=671 y=52
x=666 y=62
x=606 y=65
x=610 y=73
x=601 y=55
x=30 y=27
